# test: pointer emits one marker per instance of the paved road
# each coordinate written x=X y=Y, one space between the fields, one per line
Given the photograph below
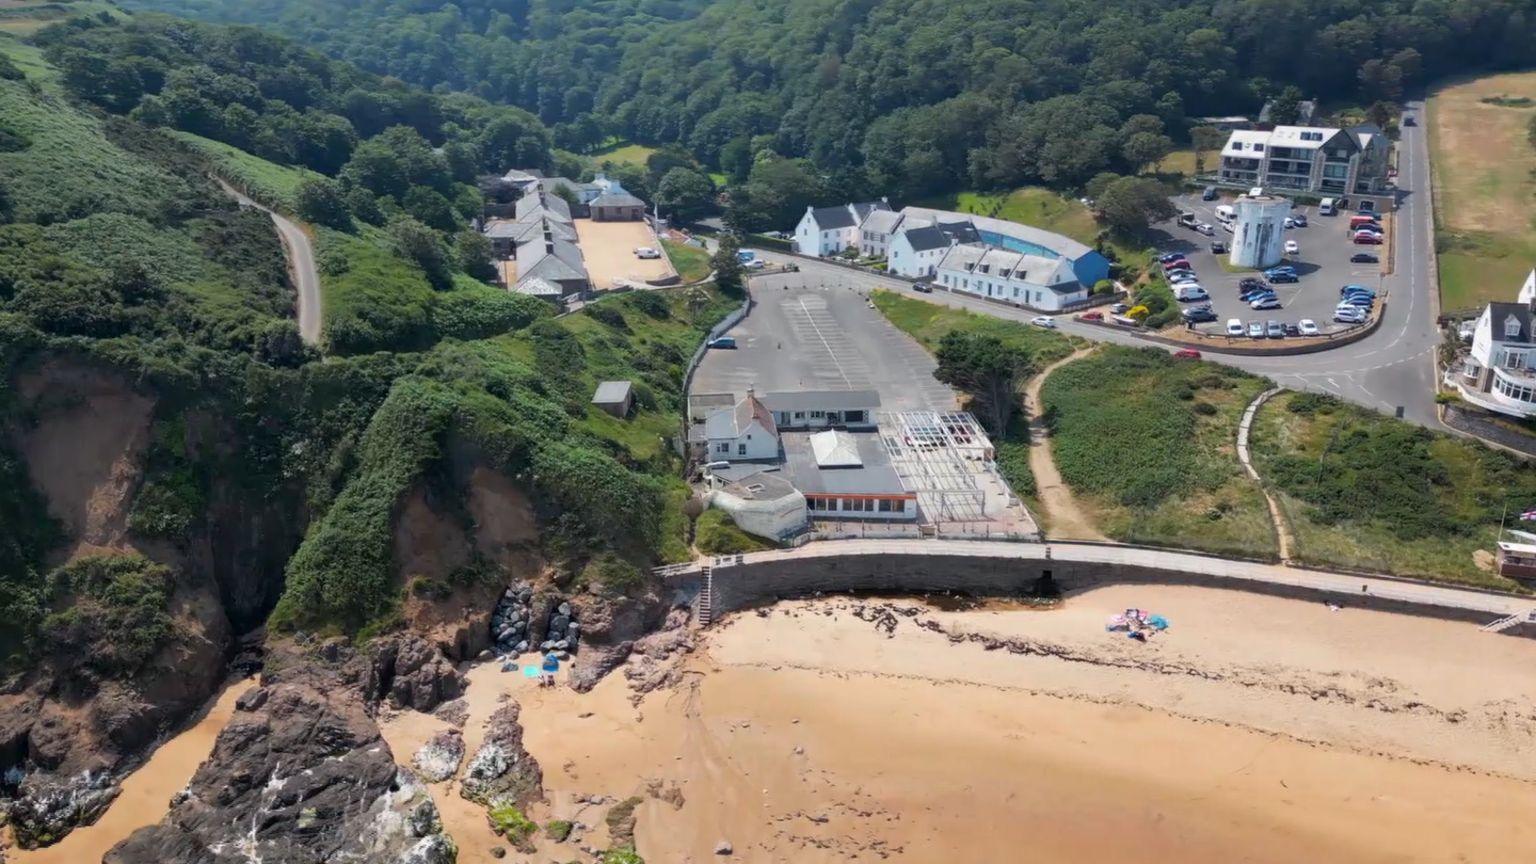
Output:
x=1390 y=369
x=301 y=264
x=1238 y=572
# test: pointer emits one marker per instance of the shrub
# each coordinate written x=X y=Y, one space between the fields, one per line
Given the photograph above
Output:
x=613 y=574
x=479 y=313
x=557 y=830
x=1308 y=404
x=716 y=534
x=651 y=303
x=608 y=314
x=118 y=605
x=509 y=822
x=1013 y=463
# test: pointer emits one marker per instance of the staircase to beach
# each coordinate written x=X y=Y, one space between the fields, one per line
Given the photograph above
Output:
x=1510 y=621
x=706 y=602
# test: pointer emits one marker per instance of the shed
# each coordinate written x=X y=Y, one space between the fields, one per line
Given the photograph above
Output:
x=615 y=397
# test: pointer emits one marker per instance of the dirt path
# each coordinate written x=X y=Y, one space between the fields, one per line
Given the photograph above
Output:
x=1064 y=519
x=1282 y=528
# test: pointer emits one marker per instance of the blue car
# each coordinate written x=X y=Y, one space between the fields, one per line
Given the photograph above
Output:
x=1282 y=276
x=1360 y=300
x=1356 y=289
x=1169 y=256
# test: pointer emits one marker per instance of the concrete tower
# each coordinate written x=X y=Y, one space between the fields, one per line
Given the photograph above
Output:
x=1258 y=230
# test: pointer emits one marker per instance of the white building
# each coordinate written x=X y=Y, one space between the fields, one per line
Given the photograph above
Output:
x=820 y=409
x=1258 y=231
x=827 y=231
x=760 y=502
x=916 y=252
x=1036 y=281
x=1313 y=159
x=1500 y=372
x=744 y=432
x=877 y=230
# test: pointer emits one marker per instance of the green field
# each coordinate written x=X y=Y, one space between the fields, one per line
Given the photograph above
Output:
x=690 y=262
x=1369 y=492
x=1485 y=181
x=623 y=154
x=1044 y=208
x=25 y=17
x=1147 y=444
x=274 y=185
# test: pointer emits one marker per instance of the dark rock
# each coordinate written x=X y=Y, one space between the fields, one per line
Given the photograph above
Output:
x=413 y=673
x=502 y=769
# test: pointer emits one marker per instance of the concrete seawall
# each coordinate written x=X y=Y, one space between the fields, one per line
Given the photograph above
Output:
x=976 y=568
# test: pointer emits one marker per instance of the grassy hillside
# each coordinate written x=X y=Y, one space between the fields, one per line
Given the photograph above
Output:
x=1148 y=445
x=274 y=185
x=1370 y=492
x=1484 y=165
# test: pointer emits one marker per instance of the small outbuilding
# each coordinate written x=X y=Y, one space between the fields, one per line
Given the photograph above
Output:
x=617 y=205
x=615 y=397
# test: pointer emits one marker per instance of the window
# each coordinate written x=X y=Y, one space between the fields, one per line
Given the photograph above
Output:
x=1515 y=391
x=724 y=448
x=817 y=415
x=885 y=505
x=1511 y=327
x=1258 y=148
x=741 y=449
x=799 y=415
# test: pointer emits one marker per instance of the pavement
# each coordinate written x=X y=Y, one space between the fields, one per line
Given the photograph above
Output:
x=1391 y=371
x=301 y=264
x=806 y=333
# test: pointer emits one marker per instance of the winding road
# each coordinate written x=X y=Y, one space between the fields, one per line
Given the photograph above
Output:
x=301 y=263
x=1391 y=370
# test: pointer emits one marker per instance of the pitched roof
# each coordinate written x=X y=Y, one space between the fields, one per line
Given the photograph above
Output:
x=611 y=392
x=864 y=208
x=617 y=199
x=926 y=238
x=1498 y=313
x=828 y=218
x=835 y=449
x=1003 y=229
x=881 y=222
x=821 y=400
x=536 y=287
x=731 y=422
x=555 y=260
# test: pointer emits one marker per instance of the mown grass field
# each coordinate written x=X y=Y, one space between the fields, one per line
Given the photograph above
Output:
x=690 y=262
x=274 y=185
x=1047 y=209
x=1147 y=444
x=623 y=154
x=1182 y=162
x=1369 y=492
x=1485 y=187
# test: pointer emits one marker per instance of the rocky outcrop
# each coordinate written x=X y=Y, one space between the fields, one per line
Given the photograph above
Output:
x=411 y=672
x=609 y=628
x=502 y=770
x=439 y=758
x=300 y=774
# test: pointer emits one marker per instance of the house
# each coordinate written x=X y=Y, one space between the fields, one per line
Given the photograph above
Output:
x=1499 y=373
x=876 y=232
x=745 y=432
x=915 y=252
x=616 y=205
x=819 y=409
x=538 y=248
x=1023 y=279
x=1313 y=159
x=824 y=231
x=615 y=397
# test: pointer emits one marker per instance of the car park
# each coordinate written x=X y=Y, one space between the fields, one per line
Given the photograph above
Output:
x=1364 y=258
x=1274 y=330
x=1043 y=321
x=923 y=287
x=1292 y=247
x=1234 y=327
x=1270 y=302
x=1255 y=329
x=1308 y=327
x=1187 y=354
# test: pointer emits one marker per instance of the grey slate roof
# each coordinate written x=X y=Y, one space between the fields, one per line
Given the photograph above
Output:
x=926 y=239
x=611 y=393
x=828 y=218
x=821 y=400
x=617 y=199
x=873 y=476
x=881 y=221
x=1498 y=313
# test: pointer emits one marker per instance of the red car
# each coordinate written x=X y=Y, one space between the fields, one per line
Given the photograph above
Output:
x=1091 y=316
x=1366 y=238
x=1187 y=354
x=1176 y=264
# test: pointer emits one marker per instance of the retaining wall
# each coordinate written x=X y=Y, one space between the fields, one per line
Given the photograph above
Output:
x=752 y=583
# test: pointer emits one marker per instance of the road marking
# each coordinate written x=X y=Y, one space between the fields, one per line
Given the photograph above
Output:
x=825 y=344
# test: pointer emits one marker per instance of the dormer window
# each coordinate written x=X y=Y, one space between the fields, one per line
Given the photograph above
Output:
x=1511 y=327
x=1258 y=148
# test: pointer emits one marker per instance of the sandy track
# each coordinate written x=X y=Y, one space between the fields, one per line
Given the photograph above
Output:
x=1064 y=518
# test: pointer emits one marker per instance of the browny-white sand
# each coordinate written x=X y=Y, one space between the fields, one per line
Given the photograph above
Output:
x=147 y=792
x=1257 y=729
x=609 y=250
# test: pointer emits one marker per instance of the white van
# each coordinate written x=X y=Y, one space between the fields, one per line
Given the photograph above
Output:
x=1328 y=208
x=1190 y=291
x=1226 y=213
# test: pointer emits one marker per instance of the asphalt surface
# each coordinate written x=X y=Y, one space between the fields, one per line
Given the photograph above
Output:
x=808 y=334
x=1391 y=370
x=1322 y=262
x=301 y=264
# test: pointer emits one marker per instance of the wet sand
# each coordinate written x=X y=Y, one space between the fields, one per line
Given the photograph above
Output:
x=147 y=792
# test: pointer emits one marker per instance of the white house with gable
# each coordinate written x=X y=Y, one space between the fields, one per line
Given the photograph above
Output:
x=745 y=432
x=825 y=231
x=1500 y=372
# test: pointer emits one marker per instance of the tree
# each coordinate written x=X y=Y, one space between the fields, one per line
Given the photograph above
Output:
x=685 y=195
x=1099 y=183
x=416 y=242
x=1205 y=139
x=1381 y=113
x=988 y=371
x=1145 y=149
x=320 y=200
x=472 y=251
x=1380 y=80
x=1285 y=108
x=1130 y=204
x=728 y=269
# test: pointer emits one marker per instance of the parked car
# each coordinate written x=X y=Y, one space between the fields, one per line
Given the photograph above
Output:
x=1270 y=302
x=1251 y=282
x=1209 y=194
x=1190 y=293
x=1183 y=277
x=1366 y=238
x=1307 y=326
x=1206 y=228
x=1409 y=121
x=1091 y=316
x=1349 y=315
x=1360 y=300
x=1187 y=354
x=1281 y=276
x=923 y=287
x=1043 y=321
x=1119 y=308
x=1292 y=330
x=1273 y=330
x=1218 y=247
x=1356 y=289
x=755 y=264
x=1176 y=263
x=1234 y=327
x=723 y=342
x=1367 y=206
x=1169 y=256
x=1255 y=294
x=1364 y=258
x=1361 y=220
x=1292 y=247
x=1299 y=220
x=1199 y=314
x=1255 y=191
x=1255 y=329
x=647 y=252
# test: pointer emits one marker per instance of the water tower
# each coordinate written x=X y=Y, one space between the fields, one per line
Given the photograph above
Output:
x=1258 y=230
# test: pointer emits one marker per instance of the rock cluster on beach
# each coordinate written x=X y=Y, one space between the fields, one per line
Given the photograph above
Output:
x=523 y=621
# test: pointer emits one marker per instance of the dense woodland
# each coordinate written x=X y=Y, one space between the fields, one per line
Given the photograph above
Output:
x=904 y=97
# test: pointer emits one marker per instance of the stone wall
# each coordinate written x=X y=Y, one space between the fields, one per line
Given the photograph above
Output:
x=744 y=585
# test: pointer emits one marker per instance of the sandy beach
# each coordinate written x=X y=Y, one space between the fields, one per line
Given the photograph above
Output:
x=1256 y=729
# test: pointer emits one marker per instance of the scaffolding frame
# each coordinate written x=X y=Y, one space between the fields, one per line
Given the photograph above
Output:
x=938 y=455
